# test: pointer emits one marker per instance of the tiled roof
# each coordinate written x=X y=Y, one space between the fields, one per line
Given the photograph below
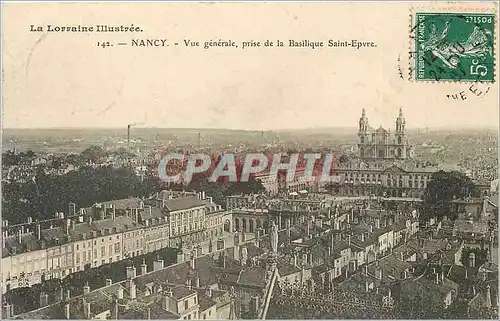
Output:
x=181 y=291
x=253 y=276
x=183 y=203
x=205 y=302
x=125 y=203
x=285 y=268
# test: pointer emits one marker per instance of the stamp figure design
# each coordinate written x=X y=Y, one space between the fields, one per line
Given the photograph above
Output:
x=454 y=47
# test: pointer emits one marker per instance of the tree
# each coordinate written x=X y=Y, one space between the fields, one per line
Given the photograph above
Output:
x=417 y=302
x=443 y=188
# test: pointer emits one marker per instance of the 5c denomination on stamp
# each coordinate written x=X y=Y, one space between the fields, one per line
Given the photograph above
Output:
x=452 y=47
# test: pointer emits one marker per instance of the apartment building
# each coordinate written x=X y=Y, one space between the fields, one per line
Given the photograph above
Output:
x=105 y=233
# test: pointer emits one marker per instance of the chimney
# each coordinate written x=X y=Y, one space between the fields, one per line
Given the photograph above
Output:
x=189 y=283
x=19 y=237
x=8 y=310
x=144 y=267
x=44 y=299
x=192 y=263
x=72 y=225
x=180 y=257
x=197 y=281
x=436 y=276
x=109 y=282
x=209 y=292
x=362 y=237
x=68 y=294
x=158 y=265
x=349 y=239
x=377 y=223
x=119 y=293
x=128 y=136
x=366 y=269
x=367 y=286
x=116 y=309
x=66 y=310
x=255 y=303
x=38 y=231
x=379 y=273
x=133 y=290
x=88 y=312
x=371 y=228
x=86 y=288
x=295 y=259
x=131 y=272
x=257 y=239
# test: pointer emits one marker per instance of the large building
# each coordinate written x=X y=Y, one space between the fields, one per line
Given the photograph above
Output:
x=379 y=143
x=107 y=232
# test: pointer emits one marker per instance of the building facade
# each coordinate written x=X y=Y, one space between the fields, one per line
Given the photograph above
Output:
x=379 y=143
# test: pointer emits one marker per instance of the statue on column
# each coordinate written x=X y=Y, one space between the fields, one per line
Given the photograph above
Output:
x=274 y=237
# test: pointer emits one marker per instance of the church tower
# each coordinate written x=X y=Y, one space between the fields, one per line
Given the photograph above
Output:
x=363 y=134
x=400 y=136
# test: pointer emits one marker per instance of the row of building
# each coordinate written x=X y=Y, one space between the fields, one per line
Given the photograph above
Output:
x=106 y=232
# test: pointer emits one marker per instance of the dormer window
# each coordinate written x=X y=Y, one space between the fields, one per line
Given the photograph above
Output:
x=56 y=240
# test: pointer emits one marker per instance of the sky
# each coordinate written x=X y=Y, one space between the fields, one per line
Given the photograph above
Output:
x=66 y=80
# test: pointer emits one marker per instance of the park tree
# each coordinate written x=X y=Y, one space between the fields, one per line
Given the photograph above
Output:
x=417 y=302
x=442 y=189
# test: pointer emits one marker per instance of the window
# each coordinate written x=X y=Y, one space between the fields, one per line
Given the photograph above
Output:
x=117 y=258
x=77 y=247
x=103 y=251
x=95 y=254
x=117 y=247
x=194 y=300
x=78 y=258
x=186 y=304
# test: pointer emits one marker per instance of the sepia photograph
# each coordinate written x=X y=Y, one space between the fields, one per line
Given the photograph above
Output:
x=249 y=160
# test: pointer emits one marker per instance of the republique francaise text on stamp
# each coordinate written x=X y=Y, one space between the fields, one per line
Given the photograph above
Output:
x=452 y=46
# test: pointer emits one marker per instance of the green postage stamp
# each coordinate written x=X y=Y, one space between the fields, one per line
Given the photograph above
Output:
x=452 y=47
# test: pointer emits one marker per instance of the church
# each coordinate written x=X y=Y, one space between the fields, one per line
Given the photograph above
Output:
x=379 y=144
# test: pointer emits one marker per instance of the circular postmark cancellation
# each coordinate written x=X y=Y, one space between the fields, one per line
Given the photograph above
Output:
x=452 y=46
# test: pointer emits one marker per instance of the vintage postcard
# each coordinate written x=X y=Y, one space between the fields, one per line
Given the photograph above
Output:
x=250 y=160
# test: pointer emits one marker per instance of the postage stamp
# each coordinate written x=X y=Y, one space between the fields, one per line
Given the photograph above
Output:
x=452 y=46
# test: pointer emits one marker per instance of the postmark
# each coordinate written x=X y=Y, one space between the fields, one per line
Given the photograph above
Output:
x=452 y=46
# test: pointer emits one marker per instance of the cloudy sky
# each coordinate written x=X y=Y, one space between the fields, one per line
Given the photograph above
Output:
x=66 y=80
